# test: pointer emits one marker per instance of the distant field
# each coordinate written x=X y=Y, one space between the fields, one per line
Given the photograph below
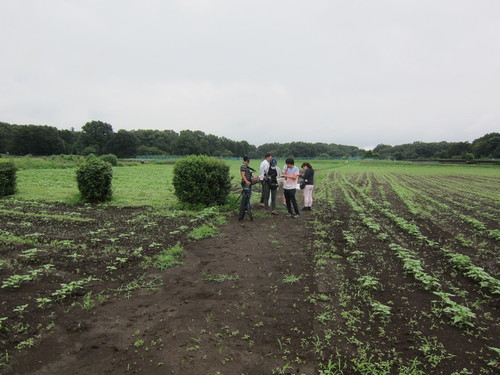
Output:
x=151 y=184
x=133 y=185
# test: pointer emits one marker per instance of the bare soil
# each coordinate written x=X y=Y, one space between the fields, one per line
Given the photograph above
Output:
x=225 y=309
x=253 y=299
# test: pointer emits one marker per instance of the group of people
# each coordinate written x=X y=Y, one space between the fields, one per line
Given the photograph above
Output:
x=270 y=177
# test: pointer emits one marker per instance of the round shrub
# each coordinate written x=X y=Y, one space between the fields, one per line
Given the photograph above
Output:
x=110 y=158
x=200 y=180
x=7 y=178
x=94 y=180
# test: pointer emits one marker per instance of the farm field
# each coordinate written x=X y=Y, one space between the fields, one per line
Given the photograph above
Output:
x=395 y=271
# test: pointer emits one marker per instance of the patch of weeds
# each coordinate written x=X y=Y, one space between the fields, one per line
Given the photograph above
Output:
x=433 y=351
x=285 y=369
x=204 y=231
x=381 y=311
x=88 y=302
x=4 y=360
x=219 y=278
x=70 y=288
x=369 y=283
x=30 y=254
x=166 y=258
x=43 y=302
x=140 y=283
x=7 y=263
x=332 y=368
x=291 y=279
x=28 y=343
x=325 y=317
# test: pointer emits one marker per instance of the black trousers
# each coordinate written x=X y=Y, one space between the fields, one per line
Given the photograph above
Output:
x=291 y=201
x=245 y=200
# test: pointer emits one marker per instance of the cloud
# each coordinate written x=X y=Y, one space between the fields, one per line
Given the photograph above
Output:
x=358 y=73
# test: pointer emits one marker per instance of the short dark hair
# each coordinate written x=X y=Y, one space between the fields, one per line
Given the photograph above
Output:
x=290 y=161
x=246 y=158
x=268 y=155
x=306 y=165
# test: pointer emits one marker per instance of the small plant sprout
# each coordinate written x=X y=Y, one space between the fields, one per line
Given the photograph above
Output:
x=291 y=279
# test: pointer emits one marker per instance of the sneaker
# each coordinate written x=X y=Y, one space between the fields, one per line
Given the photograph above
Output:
x=296 y=216
x=289 y=215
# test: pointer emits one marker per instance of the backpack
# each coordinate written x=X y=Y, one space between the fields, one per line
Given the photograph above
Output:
x=273 y=175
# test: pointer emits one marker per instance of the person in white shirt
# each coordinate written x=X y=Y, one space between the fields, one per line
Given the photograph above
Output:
x=264 y=168
x=291 y=174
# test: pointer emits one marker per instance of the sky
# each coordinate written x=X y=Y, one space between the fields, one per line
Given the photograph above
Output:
x=357 y=72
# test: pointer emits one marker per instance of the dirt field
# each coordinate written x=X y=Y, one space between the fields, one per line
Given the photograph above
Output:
x=323 y=294
x=226 y=309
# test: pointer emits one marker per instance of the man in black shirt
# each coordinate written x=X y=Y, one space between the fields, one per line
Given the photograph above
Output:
x=246 y=183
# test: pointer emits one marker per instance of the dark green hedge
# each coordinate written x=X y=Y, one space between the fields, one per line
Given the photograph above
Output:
x=110 y=158
x=201 y=180
x=94 y=178
x=8 y=178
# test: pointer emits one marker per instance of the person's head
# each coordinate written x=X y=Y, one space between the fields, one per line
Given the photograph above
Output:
x=290 y=162
x=306 y=166
x=246 y=159
x=274 y=162
x=267 y=156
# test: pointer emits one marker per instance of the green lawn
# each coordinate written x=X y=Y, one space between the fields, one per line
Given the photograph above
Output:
x=151 y=184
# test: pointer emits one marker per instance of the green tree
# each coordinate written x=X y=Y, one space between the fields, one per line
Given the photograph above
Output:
x=123 y=144
x=69 y=138
x=487 y=146
x=96 y=135
x=6 y=131
x=36 y=140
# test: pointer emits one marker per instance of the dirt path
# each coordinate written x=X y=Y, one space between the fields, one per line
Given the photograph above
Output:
x=237 y=306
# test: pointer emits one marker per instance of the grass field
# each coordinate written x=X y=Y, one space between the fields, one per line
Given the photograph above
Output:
x=151 y=184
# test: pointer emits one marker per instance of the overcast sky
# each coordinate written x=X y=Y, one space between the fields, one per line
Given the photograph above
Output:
x=353 y=72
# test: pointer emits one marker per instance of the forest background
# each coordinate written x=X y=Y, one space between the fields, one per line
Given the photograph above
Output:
x=97 y=137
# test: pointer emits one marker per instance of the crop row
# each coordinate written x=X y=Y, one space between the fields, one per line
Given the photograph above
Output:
x=365 y=276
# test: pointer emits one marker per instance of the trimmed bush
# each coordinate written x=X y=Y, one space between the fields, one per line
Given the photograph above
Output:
x=94 y=180
x=200 y=180
x=7 y=178
x=110 y=158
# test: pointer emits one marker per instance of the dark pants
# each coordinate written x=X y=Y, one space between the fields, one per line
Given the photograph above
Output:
x=273 y=193
x=265 y=194
x=291 y=201
x=245 y=200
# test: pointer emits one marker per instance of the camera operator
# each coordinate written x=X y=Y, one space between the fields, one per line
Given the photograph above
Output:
x=246 y=183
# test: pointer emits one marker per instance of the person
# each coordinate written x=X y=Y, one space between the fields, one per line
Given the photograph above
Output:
x=246 y=183
x=282 y=181
x=291 y=174
x=264 y=168
x=274 y=174
x=308 y=178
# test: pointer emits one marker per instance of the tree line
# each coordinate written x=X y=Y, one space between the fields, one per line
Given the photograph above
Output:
x=485 y=147
x=97 y=137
